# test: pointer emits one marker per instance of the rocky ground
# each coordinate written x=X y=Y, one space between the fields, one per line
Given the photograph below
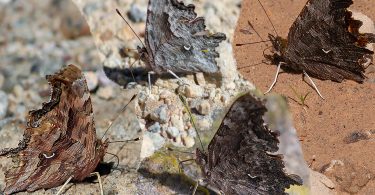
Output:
x=39 y=38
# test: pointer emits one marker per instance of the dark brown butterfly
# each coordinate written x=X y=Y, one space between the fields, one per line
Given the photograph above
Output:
x=60 y=139
x=176 y=39
x=240 y=159
x=325 y=42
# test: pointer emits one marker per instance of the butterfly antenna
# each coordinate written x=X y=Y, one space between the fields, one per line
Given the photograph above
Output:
x=251 y=43
x=256 y=64
x=268 y=17
x=191 y=119
x=132 y=140
x=122 y=110
x=119 y=13
x=256 y=32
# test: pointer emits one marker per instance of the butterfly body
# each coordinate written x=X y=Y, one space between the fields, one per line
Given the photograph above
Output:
x=325 y=42
x=239 y=159
x=176 y=39
x=60 y=139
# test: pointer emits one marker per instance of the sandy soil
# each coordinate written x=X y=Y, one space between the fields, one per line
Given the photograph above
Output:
x=323 y=126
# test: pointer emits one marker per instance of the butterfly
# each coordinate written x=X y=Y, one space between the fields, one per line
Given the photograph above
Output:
x=239 y=158
x=176 y=39
x=60 y=139
x=325 y=42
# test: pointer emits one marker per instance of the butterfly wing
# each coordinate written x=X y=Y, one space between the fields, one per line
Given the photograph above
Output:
x=176 y=39
x=239 y=159
x=325 y=42
x=60 y=139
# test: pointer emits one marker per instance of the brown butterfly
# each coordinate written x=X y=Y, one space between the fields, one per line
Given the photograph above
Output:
x=59 y=142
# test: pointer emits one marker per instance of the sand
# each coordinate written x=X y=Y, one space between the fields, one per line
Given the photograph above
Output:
x=322 y=125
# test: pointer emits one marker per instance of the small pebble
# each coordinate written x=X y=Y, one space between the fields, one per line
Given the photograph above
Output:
x=193 y=91
x=19 y=92
x=92 y=80
x=3 y=104
x=203 y=124
x=200 y=79
x=177 y=121
x=2 y=79
x=188 y=141
x=105 y=93
x=165 y=94
x=192 y=132
x=173 y=132
x=136 y=15
x=204 y=107
x=160 y=114
x=155 y=128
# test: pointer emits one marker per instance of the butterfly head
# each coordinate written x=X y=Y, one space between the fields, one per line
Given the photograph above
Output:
x=101 y=147
x=279 y=45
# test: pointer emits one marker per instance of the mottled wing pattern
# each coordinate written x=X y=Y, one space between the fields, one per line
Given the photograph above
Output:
x=239 y=159
x=325 y=42
x=60 y=139
x=176 y=39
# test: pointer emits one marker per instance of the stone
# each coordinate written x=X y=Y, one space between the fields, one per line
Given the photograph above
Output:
x=203 y=123
x=142 y=97
x=188 y=141
x=230 y=86
x=177 y=121
x=160 y=114
x=350 y=177
x=2 y=79
x=19 y=92
x=200 y=79
x=164 y=94
x=204 y=107
x=192 y=132
x=72 y=23
x=3 y=104
x=167 y=84
x=155 y=128
x=225 y=98
x=137 y=14
x=193 y=91
x=151 y=142
x=92 y=80
x=105 y=93
x=173 y=132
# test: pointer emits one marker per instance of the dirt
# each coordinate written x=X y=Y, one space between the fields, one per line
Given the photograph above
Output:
x=324 y=126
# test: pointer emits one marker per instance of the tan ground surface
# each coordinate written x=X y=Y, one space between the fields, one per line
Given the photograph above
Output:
x=349 y=107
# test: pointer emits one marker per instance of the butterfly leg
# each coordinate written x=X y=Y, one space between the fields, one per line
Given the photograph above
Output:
x=313 y=84
x=149 y=79
x=100 y=182
x=275 y=80
x=177 y=77
x=62 y=187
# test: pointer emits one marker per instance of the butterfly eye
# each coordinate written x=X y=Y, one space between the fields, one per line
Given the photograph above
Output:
x=187 y=47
